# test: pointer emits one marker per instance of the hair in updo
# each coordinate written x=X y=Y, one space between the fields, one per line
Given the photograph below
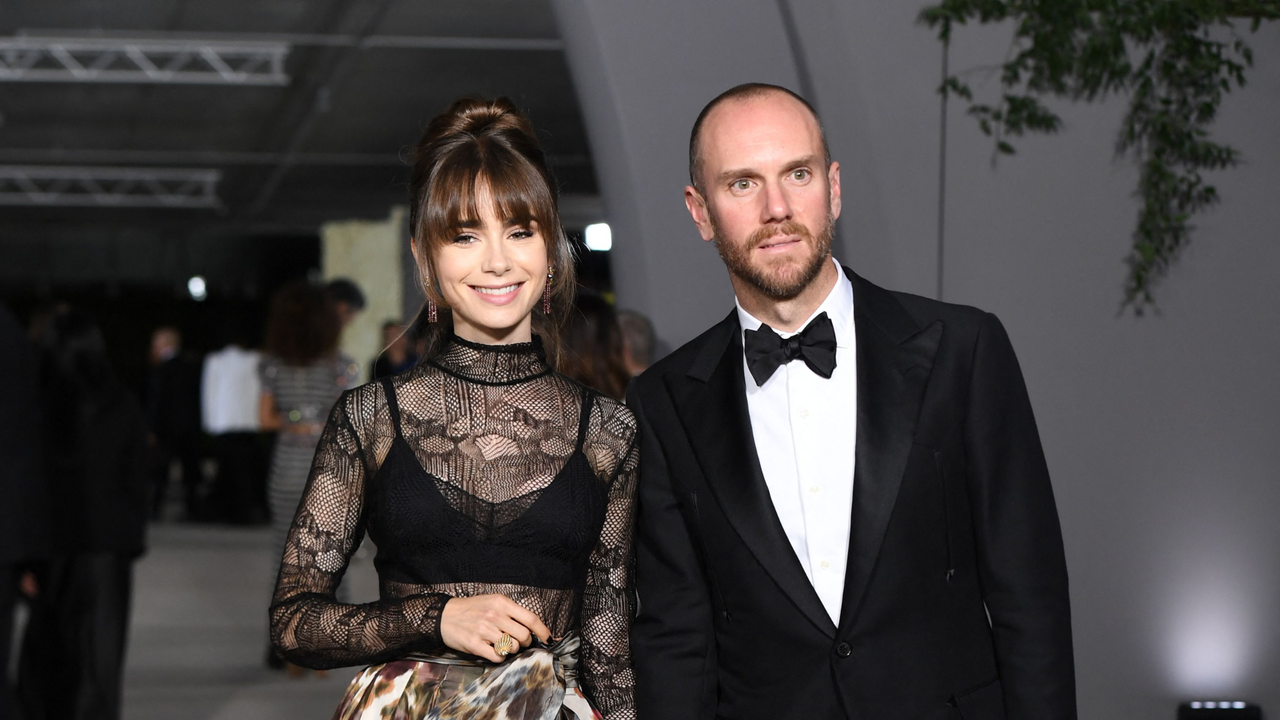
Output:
x=488 y=144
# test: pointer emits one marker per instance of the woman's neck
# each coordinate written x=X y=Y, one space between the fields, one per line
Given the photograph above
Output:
x=521 y=332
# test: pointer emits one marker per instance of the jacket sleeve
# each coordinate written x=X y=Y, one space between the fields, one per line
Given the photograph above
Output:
x=673 y=642
x=1021 y=563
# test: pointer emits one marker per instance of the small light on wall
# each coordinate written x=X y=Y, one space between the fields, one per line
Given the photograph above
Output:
x=196 y=286
x=599 y=237
x=1219 y=710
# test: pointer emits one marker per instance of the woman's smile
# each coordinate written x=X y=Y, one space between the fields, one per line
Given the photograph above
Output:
x=498 y=295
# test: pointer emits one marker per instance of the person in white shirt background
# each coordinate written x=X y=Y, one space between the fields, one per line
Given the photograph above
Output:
x=230 y=389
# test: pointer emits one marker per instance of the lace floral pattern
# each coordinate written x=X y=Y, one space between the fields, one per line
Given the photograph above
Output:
x=494 y=430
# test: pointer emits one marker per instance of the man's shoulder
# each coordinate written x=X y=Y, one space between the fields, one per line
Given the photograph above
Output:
x=882 y=304
x=926 y=310
x=686 y=356
x=690 y=355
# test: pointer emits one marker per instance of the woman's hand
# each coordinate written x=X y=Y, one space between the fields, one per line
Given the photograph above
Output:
x=474 y=624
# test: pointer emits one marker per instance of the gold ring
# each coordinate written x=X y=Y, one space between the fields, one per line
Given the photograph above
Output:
x=505 y=645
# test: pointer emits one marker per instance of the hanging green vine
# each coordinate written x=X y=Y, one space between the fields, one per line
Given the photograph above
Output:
x=1175 y=59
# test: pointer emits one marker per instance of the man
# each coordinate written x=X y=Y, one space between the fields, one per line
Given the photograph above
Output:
x=24 y=511
x=844 y=506
x=348 y=298
x=398 y=352
x=230 y=390
x=173 y=415
x=638 y=340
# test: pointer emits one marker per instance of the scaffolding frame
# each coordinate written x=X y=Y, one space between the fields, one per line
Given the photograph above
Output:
x=172 y=62
x=65 y=186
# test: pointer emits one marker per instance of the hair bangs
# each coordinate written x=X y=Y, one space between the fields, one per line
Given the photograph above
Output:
x=480 y=179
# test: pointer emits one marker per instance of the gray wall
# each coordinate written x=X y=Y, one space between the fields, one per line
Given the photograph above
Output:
x=1161 y=432
x=643 y=71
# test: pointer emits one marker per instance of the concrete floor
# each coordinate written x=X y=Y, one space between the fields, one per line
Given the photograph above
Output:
x=198 y=637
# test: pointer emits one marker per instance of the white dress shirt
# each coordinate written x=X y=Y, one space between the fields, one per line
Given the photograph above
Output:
x=805 y=428
x=229 y=391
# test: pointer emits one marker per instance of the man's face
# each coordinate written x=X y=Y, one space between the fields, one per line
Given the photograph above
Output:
x=769 y=202
x=165 y=343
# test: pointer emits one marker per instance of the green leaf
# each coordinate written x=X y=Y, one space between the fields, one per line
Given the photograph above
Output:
x=1080 y=50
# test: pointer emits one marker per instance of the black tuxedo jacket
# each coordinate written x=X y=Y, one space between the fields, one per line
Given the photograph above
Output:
x=955 y=599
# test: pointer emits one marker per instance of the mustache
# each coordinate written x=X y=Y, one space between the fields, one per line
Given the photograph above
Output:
x=789 y=227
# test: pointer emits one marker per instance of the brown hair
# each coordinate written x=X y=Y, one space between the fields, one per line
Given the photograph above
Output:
x=485 y=143
x=594 y=353
x=744 y=91
x=303 y=324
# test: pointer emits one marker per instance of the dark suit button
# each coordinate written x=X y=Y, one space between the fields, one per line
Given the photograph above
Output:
x=844 y=650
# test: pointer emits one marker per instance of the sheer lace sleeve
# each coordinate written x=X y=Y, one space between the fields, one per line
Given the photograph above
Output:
x=309 y=626
x=608 y=601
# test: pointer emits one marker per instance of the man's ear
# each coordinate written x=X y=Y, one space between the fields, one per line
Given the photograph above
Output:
x=697 y=206
x=833 y=179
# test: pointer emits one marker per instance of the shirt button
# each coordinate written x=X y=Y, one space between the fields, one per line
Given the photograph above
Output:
x=814 y=489
x=805 y=413
x=824 y=565
x=844 y=650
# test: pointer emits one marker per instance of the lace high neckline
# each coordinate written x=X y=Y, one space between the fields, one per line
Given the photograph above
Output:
x=493 y=364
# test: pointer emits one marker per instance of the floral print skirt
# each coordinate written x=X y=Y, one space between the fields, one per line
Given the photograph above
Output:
x=539 y=683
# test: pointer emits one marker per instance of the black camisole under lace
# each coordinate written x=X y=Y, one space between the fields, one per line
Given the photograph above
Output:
x=480 y=471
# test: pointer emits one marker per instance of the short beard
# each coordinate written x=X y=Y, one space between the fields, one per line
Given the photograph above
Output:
x=776 y=285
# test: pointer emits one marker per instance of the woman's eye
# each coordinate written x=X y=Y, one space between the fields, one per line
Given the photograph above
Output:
x=464 y=239
x=522 y=234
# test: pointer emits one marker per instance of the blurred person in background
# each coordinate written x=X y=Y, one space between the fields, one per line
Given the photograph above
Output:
x=24 y=519
x=173 y=415
x=500 y=492
x=638 y=340
x=302 y=374
x=230 y=390
x=399 y=352
x=96 y=469
x=595 y=355
x=348 y=299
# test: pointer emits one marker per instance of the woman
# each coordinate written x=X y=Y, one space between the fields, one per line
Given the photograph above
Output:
x=596 y=356
x=302 y=375
x=499 y=493
x=95 y=464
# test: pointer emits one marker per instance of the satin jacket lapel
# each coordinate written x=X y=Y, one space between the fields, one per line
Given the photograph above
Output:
x=895 y=359
x=712 y=403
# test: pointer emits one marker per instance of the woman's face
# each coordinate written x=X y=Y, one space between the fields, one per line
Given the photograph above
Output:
x=492 y=273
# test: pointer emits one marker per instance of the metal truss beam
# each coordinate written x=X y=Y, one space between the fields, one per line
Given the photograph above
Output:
x=43 y=156
x=45 y=186
x=369 y=42
x=105 y=60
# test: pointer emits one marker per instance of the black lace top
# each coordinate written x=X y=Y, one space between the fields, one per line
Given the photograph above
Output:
x=480 y=471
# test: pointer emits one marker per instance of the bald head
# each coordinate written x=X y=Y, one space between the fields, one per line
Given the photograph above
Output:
x=740 y=94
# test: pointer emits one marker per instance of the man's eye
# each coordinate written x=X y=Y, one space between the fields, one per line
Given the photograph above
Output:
x=741 y=185
x=801 y=174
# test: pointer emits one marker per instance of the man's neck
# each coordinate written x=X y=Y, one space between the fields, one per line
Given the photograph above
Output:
x=787 y=315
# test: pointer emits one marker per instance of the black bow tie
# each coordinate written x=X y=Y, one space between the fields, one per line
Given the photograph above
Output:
x=766 y=351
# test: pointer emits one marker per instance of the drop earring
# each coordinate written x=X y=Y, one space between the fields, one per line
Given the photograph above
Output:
x=546 y=291
x=431 y=304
